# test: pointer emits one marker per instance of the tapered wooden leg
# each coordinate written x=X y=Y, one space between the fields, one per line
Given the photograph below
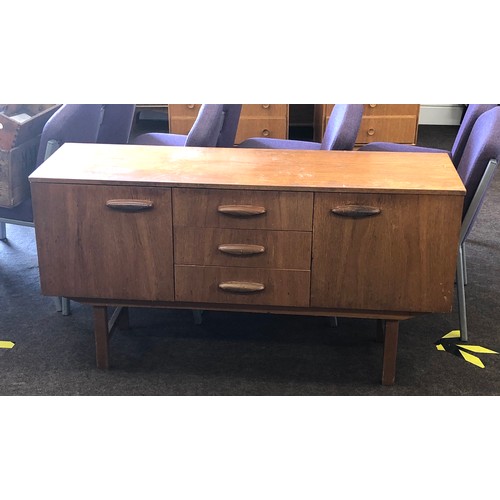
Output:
x=101 y=333
x=390 y=352
x=123 y=321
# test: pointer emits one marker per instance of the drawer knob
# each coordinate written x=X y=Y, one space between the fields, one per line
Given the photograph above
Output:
x=356 y=211
x=129 y=205
x=373 y=105
x=241 y=210
x=371 y=131
x=266 y=132
x=241 y=249
x=266 y=106
x=241 y=287
x=190 y=106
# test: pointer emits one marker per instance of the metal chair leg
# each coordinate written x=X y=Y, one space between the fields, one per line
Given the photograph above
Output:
x=66 y=308
x=462 y=314
x=464 y=261
x=3 y=231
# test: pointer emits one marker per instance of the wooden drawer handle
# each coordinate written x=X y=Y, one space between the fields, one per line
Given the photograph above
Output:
x=373 y=105
x=371 y=131
x=266 y=133
x=241 y=287
x=129 y=205
x=266 y=106
x=356 y=211
x=190 y=106
x=241 y=210
x=241 y=249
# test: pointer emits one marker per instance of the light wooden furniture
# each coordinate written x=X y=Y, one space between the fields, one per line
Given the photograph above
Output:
x=381 y=122
x=256 y=120
x=331 y=233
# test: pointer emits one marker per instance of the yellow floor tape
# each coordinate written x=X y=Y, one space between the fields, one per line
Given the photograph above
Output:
x=6 y=344
x=463 y=351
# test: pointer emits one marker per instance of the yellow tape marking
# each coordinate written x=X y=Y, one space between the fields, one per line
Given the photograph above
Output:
x=439 y=347
x=477 y=348
x=6 y=344
x=471 y=358
x=454 y=334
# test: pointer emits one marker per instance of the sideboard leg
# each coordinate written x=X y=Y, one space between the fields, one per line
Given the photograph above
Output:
x=390 y=352
x=101 y=336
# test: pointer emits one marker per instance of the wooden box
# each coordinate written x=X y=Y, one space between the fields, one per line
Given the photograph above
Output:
x=21 y=122
x=15 y=166
x=21 y=126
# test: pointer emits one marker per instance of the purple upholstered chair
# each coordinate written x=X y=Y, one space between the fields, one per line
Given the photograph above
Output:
x=104 y=123
x=479 y=160
x=470 y=117
x=215 y=126
x=340 y=134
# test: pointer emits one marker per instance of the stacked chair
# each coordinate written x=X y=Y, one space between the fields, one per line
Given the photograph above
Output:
x=340 y=134
x=215 y=126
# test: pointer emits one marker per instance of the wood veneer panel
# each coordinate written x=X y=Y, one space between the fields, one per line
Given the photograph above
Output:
x=281 y=249
x=283 y=210
x=281 y=288
x=400 y=260
x=86 y=249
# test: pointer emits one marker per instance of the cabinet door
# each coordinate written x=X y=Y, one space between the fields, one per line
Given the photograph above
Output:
x=95 y=242
x=399 y=260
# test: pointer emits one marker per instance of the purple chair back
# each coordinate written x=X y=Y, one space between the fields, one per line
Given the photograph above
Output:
x=70 y=123
x=116 y=123
x=343 y=127
x=471 y=115
x=207 y=126
x=483 y=145
x=230 y=123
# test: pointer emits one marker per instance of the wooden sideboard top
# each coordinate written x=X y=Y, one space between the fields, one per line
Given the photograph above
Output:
x=233 y=168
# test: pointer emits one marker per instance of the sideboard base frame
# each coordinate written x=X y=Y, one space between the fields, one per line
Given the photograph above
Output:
x=387 y=327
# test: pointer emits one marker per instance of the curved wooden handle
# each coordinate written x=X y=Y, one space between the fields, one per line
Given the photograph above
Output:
x=356 y=211
x=241 y=210
x=129 y=205
x=241 y=249
x=241 y=287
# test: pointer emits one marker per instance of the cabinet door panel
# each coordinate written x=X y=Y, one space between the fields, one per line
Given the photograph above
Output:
x=90 y=250
x=398 y=260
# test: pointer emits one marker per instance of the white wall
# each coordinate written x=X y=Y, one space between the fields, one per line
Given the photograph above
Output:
x=440 y=114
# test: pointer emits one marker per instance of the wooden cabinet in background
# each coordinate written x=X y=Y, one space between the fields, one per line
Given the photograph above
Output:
x=380 y=123
x=256 y=120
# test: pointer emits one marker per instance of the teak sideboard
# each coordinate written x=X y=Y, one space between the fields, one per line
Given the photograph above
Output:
x=332 y=233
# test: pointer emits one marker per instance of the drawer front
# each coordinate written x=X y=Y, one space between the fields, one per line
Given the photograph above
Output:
x=240 y=209
x=401 y=129
x=264 y=111
x=391 y=109
x=276 y=128
x=181 y=117
x=242 y=248
x=401 y=259
x=98 y=243
x=222 y=285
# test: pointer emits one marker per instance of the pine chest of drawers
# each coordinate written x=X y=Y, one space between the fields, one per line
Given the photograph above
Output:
x=333 y=233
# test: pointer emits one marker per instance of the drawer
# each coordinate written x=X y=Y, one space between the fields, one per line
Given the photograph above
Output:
x=227 y=208
x=399 y=259
x=265 y=111
x=183 y=110
x=276 y=128
x=242 y=248
x=391 y=109
x=401 y=129
x=225 y=285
